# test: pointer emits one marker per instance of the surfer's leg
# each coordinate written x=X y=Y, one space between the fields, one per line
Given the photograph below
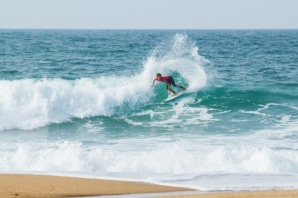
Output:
x=172 y=82
x=171 y=90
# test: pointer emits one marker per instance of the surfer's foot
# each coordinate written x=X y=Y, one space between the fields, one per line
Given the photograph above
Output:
x=183 y=89
x=174 y=94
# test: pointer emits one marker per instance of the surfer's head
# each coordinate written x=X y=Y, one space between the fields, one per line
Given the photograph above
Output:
x=158 y=75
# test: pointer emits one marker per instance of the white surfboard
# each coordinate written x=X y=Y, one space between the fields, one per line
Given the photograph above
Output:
x=173 y=97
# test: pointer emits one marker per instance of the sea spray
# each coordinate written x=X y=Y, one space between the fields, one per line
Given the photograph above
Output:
x=178 y=57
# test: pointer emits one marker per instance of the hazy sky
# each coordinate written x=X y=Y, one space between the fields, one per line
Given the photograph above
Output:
x=149 y=14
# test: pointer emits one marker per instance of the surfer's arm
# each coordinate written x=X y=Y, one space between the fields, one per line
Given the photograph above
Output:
x=153 y=82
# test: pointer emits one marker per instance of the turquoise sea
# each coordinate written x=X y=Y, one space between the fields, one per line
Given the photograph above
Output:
x=80 y=103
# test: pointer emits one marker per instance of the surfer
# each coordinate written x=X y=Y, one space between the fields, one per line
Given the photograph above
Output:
x=169 y=80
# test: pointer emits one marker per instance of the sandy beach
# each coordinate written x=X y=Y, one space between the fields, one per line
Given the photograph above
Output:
x=15 y=185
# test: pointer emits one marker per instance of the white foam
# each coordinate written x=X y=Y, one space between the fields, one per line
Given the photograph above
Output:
x=164 y=160
x=28 y=104
x=165 y=155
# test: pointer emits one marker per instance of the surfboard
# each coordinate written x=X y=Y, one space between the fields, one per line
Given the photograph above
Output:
x=173 y=97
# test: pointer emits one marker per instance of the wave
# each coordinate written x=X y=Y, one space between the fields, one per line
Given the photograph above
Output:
x=180 y=157
x=33 y=103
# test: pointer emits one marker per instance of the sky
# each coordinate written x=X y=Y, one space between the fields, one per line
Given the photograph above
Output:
x=148 y=14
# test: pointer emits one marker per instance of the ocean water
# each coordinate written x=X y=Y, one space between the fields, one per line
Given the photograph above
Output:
x=80 y=103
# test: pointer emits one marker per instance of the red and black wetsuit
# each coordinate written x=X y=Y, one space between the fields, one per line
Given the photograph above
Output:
x=169 y=81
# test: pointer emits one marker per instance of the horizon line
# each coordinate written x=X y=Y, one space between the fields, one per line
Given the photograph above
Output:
x=140 y=29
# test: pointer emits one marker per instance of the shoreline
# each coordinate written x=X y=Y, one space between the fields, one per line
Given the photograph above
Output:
x=33 y=186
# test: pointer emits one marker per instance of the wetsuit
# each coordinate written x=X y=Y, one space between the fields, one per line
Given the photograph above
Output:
x=169 y=81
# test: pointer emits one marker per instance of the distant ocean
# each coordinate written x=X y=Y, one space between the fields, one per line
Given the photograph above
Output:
x=80 y=103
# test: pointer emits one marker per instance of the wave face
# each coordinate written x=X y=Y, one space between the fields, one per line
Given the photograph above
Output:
x=81 y=103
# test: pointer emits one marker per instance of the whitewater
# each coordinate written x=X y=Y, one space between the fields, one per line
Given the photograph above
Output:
x=80 y=103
